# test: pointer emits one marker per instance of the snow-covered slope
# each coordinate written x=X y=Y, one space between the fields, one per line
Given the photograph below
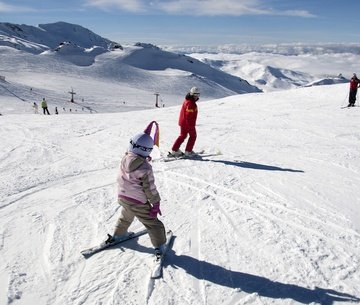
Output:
x=152 y=58
x=274 y=219
x=328 y=81
x=95 y=74
x=109 y=84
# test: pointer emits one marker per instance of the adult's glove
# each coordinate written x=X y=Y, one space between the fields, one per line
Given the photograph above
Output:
x=155 y=209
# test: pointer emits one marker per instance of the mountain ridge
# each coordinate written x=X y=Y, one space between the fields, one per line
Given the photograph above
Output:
x=50 y=36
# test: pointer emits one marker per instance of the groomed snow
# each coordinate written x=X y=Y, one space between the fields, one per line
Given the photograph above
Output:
x=274 y=219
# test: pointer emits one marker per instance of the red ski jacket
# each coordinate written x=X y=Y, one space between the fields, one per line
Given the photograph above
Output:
x=354 y=82
x=188 y=114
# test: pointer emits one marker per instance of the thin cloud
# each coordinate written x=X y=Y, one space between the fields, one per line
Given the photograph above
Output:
x=134 y=6
x=199 y=7
x=211 y=7
x=7 y=8
x=226 y=7
x=295 y=13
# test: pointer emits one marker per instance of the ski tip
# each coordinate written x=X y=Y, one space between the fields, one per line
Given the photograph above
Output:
x=85 y=254
x=156 y=276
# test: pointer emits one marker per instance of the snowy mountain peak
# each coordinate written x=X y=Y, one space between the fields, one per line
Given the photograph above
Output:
x=147 y=45
x=49 y=36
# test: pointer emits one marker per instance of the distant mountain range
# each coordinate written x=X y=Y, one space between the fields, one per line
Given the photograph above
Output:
x=49 y=60
x=280 y=68
x=69 y=43
x=71 y=55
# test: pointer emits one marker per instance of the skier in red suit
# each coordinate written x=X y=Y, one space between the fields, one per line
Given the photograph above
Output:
x=354 y=84
x=187 y=123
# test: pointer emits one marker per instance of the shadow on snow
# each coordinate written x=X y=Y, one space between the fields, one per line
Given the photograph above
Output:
x=258 y=166
x=246 y=282
x=250 y=283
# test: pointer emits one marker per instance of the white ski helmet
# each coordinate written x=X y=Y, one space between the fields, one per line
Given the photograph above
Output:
x=194 y=91
x=141 y=144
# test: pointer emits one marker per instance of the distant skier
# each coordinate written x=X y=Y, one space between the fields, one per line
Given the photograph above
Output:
x=354 y=84
x=36 y=108
x=44 y=107
x=187 y=123
x=56 y=110
x=137 y=193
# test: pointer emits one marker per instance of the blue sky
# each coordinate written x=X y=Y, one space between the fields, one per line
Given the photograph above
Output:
x=198 y=22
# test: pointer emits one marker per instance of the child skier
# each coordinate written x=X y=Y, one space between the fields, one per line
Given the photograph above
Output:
x=36 y=108
x=137 y=193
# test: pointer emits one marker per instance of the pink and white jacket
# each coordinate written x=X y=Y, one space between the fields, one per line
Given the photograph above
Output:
x=136 y=182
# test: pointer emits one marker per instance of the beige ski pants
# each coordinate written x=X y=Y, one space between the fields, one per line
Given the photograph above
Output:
x=154 y=226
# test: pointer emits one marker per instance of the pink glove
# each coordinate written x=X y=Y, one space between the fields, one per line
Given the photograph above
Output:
x=155 y=209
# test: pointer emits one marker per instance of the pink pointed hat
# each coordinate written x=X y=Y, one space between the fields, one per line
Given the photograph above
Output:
x=156 y=135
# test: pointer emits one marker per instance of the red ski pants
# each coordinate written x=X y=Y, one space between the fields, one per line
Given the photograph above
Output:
x=184 y=132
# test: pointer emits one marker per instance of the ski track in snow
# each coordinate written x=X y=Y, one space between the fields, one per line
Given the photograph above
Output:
x=266 y=209
x=258 y=206
x=259 y=212
x=245 y=232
